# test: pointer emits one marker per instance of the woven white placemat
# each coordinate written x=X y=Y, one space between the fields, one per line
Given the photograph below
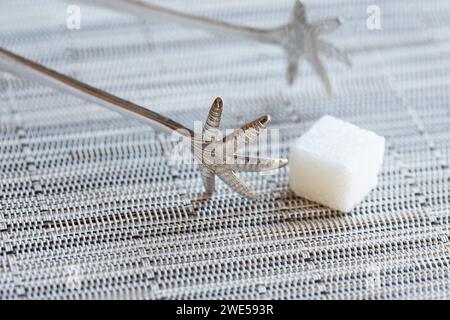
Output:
x=90 y=206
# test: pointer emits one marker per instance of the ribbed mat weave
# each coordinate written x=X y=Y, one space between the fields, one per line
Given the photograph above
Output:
x=91 y=206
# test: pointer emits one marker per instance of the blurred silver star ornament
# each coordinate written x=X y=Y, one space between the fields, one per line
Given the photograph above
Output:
x=299 y=39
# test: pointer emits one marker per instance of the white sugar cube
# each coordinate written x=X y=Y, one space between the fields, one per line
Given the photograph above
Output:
x=335 y=163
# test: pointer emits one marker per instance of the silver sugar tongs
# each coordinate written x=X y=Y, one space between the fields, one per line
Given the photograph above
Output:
x=207 y=147
x=299 y=38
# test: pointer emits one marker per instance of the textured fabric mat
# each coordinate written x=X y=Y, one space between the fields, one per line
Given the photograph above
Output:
x=91 y=207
